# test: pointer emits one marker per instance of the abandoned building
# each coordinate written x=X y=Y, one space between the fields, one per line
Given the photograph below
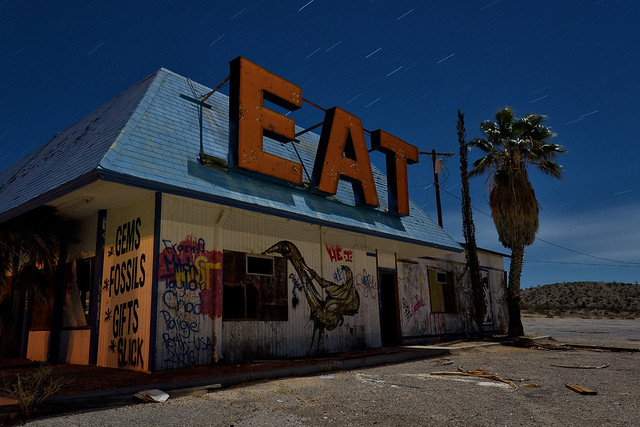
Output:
x=214 y=229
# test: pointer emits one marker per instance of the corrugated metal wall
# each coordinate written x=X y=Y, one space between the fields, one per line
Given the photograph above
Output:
x=190 y=330
x=324 y=251
x=417 y=287
x=189 y=263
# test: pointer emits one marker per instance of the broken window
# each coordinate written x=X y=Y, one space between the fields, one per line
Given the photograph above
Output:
x=442 y=292
x=255 y=287
x=77 y=304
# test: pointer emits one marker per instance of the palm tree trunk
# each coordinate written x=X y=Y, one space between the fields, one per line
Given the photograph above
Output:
x=513 y=292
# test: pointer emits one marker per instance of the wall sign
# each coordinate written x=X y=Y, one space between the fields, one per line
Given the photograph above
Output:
x=342 y=151
x=126 y=288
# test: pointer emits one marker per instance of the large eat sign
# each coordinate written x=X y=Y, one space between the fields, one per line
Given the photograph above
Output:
x=342 y=150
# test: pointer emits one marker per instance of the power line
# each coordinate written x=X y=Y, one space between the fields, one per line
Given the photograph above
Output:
x=583 y=263
x=629 y=263
x=592 y=256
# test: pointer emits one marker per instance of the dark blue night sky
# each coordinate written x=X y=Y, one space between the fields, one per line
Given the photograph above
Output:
x=405 y=67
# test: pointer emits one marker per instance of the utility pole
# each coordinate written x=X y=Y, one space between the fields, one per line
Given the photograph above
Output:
x=433 y=155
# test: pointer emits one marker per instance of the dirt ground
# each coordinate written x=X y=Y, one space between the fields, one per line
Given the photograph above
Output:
x=618 y=382
x=84 y=379
x=413 y=393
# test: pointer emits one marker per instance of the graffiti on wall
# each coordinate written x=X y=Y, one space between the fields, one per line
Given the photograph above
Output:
x=366 y=284
x=436 y=324
x=336 y=253
x=126 y=279
x=340 y=299
x=413 y=306
x=190 y=283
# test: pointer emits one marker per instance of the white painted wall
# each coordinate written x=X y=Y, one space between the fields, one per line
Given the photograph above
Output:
x=417 y=319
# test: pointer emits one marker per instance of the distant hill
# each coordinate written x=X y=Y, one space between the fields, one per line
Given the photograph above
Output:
x=583 y=299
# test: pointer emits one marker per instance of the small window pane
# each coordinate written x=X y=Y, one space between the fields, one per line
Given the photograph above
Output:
x=259 y=265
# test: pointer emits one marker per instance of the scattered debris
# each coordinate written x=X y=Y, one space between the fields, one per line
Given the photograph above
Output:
x=565 y=347
x=530 y=385
x=581 y=366
x=152 y=395
x=480 y=373
x=605 y=348
x=327 y=377
x=580 y=389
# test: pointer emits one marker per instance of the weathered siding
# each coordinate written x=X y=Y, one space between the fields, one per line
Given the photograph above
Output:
x=426 y=314
x=386 y=260
x=188 y=283
x=323 y=252
x=186 y=335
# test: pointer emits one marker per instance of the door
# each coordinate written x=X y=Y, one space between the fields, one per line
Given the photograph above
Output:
x=388 y=302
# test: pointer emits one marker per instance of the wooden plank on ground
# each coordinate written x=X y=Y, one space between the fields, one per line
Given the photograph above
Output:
x=580 y=389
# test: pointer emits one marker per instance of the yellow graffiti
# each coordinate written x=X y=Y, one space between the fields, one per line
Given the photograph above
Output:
x=204 y=268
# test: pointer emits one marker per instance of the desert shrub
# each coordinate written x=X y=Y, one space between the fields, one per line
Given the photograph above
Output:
x=31 y=390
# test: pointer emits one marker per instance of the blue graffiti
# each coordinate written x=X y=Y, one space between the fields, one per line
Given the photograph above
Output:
x=340 y=275
x=366 y=284
x=183 y=351
x=181 y=305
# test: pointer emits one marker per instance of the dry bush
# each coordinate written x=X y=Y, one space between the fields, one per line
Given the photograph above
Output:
x=31 y=390
x=584 y=299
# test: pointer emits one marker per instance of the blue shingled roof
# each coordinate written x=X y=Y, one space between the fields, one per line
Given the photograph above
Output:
x=149 y=136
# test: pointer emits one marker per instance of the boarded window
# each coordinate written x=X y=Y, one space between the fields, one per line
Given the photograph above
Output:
x=255 y=287
x=442 y=292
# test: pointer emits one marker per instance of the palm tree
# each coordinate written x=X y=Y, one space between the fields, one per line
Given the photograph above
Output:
x=28 y=250
x=512 y=145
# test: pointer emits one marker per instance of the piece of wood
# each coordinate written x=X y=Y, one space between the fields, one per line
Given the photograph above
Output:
x=478 y=373
x=580 y=367
x=605 y=348
x=580 y=389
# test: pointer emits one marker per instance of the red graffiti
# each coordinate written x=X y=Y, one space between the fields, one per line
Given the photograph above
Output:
x=336 y=253
x=188 y=267
x=436 y=324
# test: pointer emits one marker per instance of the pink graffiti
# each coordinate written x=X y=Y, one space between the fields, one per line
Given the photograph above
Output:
x=416 y=304
x=336 y=253
x=188 y=267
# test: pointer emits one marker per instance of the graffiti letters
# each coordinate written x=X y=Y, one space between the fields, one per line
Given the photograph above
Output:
x=413 y=306
x=366 y=284
x=336 y=253
x=436 y=324
x=406 y=310
x=191 y=277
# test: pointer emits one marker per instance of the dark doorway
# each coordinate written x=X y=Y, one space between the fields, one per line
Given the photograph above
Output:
x=388 y=299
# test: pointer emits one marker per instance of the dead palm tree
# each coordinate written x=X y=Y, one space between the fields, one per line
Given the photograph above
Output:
x=512 y=145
